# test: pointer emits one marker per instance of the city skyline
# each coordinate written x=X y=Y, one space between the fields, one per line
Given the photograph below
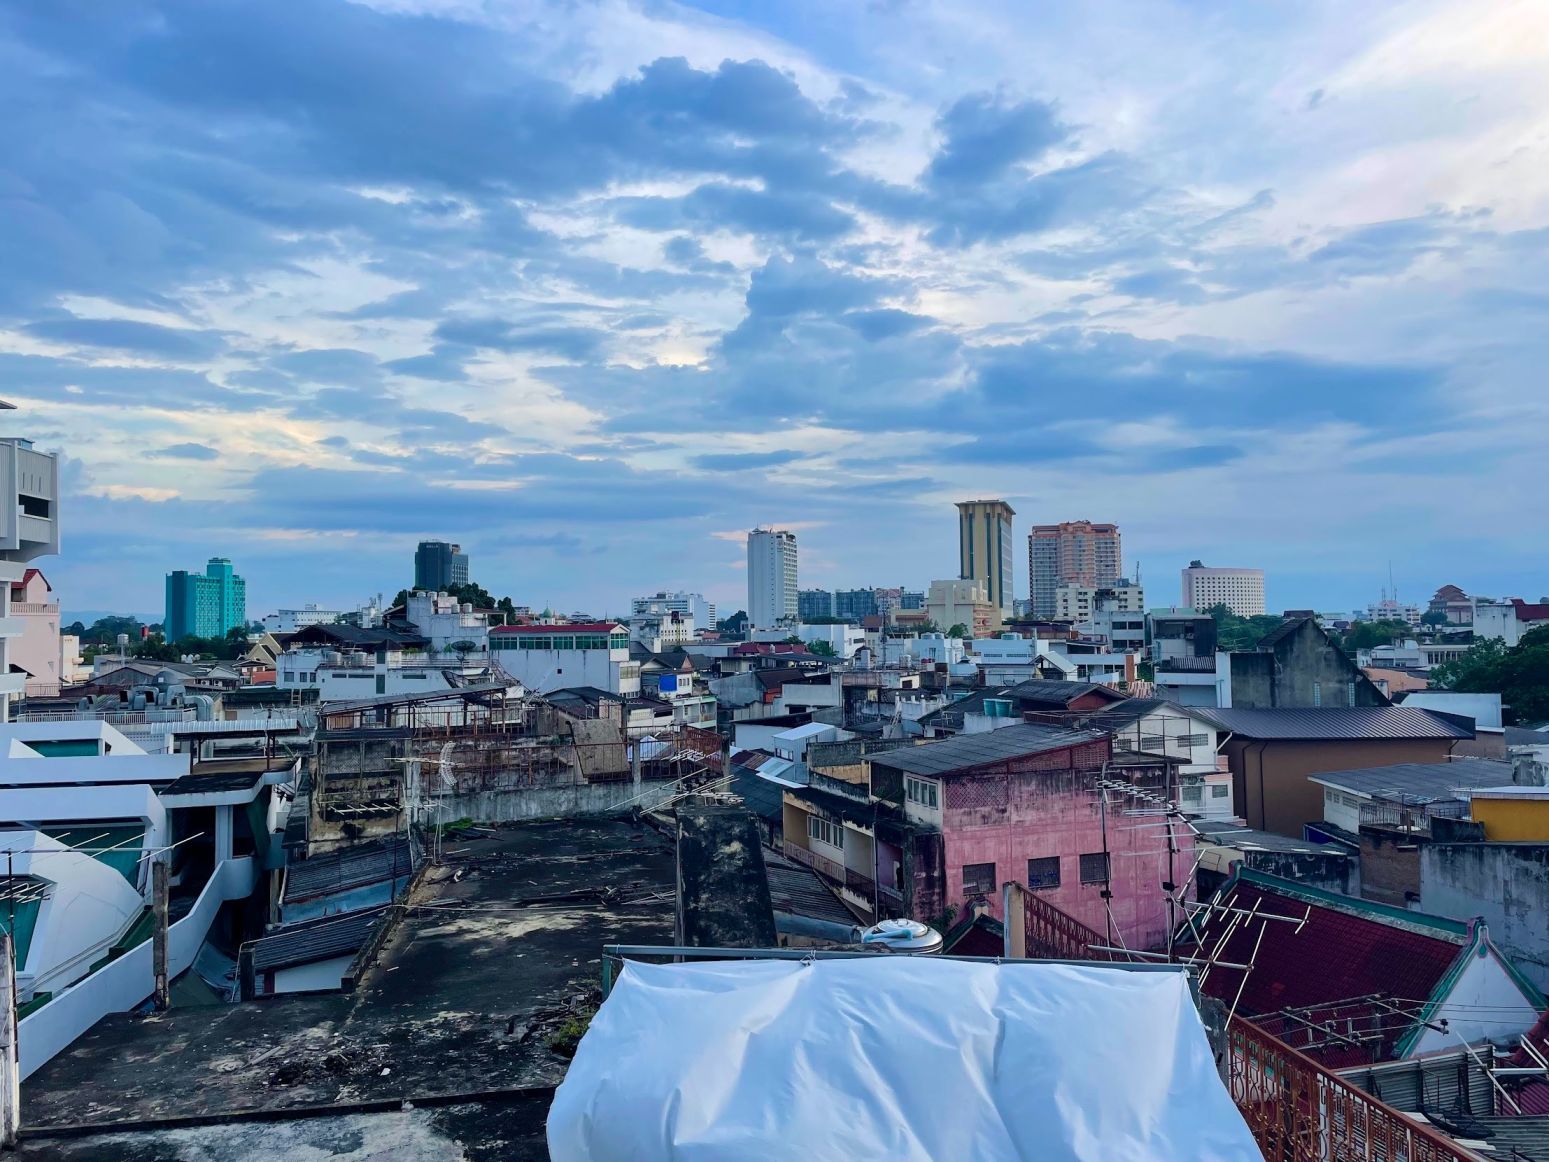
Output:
x=762 y=267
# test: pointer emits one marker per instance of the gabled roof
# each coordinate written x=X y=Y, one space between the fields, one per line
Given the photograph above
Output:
x=1418 y=782
x=1056 y=693
x=974 y=750
x=1282 y=631
x=1132 y=710
x=1347 y=949
x=1343 y=722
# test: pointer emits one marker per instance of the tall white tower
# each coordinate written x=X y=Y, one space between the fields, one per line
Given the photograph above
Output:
x=771 y=578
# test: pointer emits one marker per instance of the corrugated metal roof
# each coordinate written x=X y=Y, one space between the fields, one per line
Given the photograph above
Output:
x=1344 y=722
x=315 y=940
x=972 y=750
x=1418 y=782
x=352 y=867
x=798 y=890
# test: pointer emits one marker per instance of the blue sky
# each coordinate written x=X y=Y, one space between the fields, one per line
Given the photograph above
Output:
x=592 y=288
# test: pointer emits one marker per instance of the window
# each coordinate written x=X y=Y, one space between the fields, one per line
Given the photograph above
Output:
x=921 y=791
x=1192 y=794
x=1152 y=742
x=1044 y=872
x=978 y=878
x=825 y=832
x=1317 y=693
x=1220 y=791
x=1123 y=744
x=1193 y=740
x=1350 y=694
x=997 y=708
x=1094 y=868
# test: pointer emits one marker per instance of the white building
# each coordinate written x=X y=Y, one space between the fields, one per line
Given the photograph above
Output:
x=771 y=578
x=452 y=626
x=843 y=639
x=1389 y=609
x=925 y=649
x=292 y=620
x=345 y=676
x=552 y=657
x=691 y=607
x=29 y=529
x=1240 y=590
x=37 y=649
x=1155 y=726
x=1083 y=602
x=1195 y=681
x=1506 y=621
x=964 y=603
x=84 y=814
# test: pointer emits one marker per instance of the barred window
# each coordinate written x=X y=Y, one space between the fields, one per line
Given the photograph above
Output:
x=1044 y=872
x=978 y=878
x=1094 y=867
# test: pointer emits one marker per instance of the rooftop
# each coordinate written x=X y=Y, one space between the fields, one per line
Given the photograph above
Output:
x=1345 y=722
x=1418 y=782
x=1229 y=834
x=993 y=746
x=572 y=628
x=493 y=951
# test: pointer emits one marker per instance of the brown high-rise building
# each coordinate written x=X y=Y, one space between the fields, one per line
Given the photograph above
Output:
x=1075 y=552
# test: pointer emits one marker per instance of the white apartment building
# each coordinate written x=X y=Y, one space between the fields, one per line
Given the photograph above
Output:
x=29 y=528
x=1389 y=609
x=771 y=578
x=553 y=657
x=691 y=607
x=1083 y=602
x=293 y=620
x=1506 y=621
x=1240 y=590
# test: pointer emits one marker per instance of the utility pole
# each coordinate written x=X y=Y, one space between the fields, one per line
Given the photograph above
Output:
x=10 y=1063
x=159 y=938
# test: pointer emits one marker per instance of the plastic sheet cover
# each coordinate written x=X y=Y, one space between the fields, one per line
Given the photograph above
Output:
x=895 y=1057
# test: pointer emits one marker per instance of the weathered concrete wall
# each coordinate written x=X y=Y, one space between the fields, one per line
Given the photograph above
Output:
x=517 y=804
x=1505 y=883
x=1332 y=871
x=1390 y=867
x=1305 y=668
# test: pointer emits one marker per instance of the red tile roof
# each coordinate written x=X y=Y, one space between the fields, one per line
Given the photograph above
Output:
x=577 y=627
x=1533 y=1097
x=1531 y=611
x=1348 y=950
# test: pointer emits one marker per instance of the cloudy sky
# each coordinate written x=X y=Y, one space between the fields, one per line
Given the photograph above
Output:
x=594 y=287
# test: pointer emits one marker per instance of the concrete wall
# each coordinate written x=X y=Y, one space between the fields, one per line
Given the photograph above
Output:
x=1305 y=668
x=1506 y=883
x=1390 y=868
x=1269 y=779
x=514 y=805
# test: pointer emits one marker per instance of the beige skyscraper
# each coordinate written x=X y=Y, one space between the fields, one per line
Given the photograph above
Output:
x=985 y=551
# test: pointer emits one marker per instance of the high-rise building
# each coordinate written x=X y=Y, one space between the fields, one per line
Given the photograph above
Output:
x=771 y=578
x=29 y=528
x=205 y=605
x=814 y=603
x=1240 y=590
x=854 y=604
x=985 y=551
x=691 y=607
x=439 y=565
x=1075 y=552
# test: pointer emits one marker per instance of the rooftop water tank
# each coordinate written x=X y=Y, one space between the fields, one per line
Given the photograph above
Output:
x=902 y=936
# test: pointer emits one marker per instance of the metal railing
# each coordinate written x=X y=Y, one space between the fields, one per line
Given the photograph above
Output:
x=1054 y=933
x=1300 y=1112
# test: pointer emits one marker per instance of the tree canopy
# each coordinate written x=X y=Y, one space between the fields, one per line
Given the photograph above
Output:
x=1520 y=675
x=1364 y=635
x=1234 y=632
x=821 y=648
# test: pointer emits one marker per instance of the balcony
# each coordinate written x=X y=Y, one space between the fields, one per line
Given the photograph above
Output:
x=830 y=869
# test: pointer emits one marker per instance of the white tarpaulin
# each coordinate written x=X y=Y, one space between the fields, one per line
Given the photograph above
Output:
x=895 y=1057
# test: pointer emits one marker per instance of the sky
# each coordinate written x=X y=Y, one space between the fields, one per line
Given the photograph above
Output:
x=593 y=288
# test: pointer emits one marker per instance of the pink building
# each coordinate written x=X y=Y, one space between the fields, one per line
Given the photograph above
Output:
x=37 y=649
x=1025 y=803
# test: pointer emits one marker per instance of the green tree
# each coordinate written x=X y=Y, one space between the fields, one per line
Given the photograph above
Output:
x=958 y=630
x=1234 y=632
x=156 y=649
x=1520 y=675
x=821 y=648
x=1364 y=635
x=1433 y=617
x=927 y=626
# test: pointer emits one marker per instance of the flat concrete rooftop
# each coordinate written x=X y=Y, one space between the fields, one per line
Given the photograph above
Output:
x=493 y=947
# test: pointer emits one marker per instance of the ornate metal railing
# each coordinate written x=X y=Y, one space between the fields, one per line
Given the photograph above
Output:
x=1054 y=934
x=1300 y=1112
